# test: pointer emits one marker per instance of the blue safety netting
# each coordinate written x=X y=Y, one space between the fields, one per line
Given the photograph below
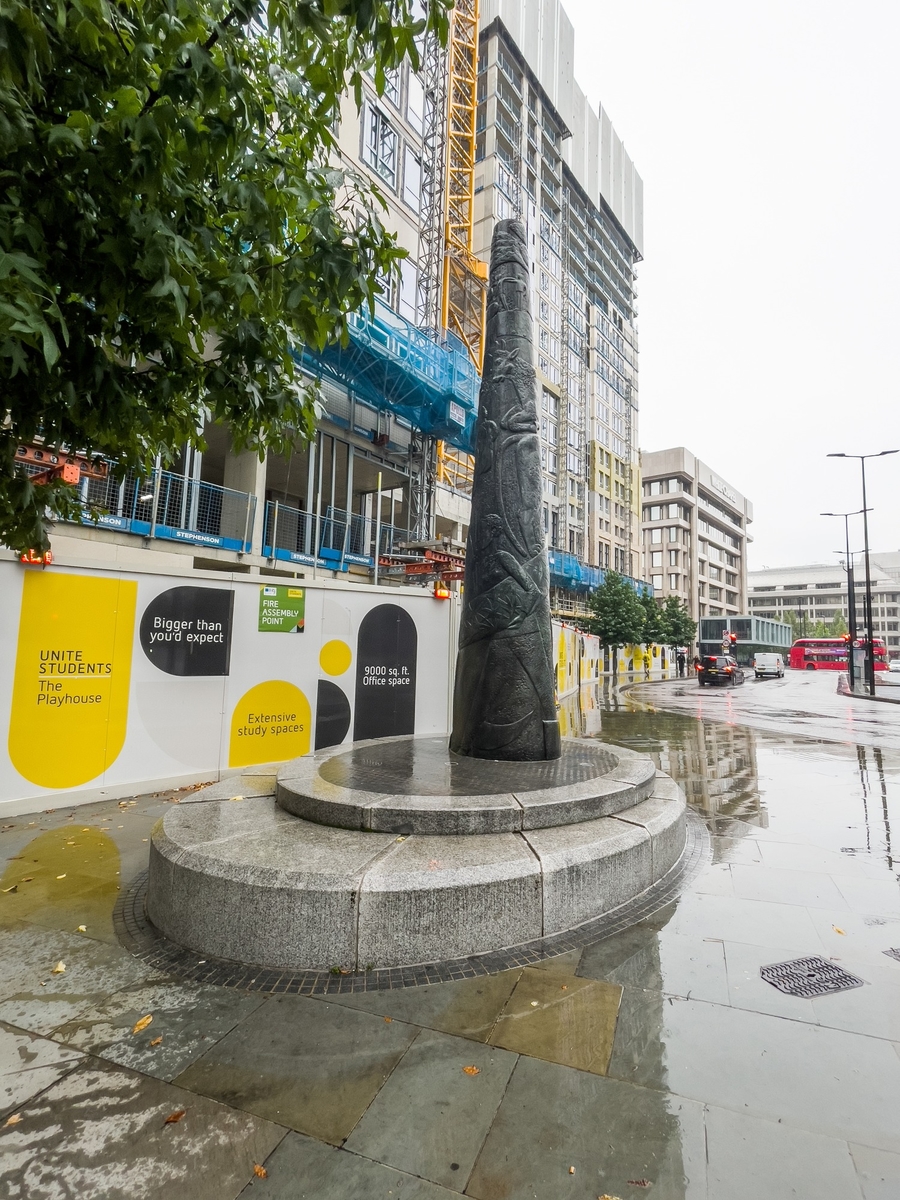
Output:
x=392 y=365
x=567 y=571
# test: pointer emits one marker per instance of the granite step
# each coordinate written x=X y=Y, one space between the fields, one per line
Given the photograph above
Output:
x=414 y=785
x=249 y=882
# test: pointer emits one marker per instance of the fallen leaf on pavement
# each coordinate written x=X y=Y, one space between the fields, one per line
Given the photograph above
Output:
x=142 y=1023
x=387 y=1020
x=571 y=1170
x=837 y=930
x=27 y=879
x=61 y=876
x=14 y=888
x=156 y=1040
x=82 y=929
x=260 y=1172
x=13 y=1120
x=606 y=1196
x=471 y=1070
x=174 y=1117
x=638 y=1182
x=58 y=969
x=237 y=797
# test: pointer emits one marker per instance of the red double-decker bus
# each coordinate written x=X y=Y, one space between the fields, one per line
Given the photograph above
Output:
x=830 y=654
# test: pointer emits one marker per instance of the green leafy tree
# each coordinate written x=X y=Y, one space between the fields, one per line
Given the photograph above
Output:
x=617 y=614
x=838 y=626
x=682 y=628
x=656 y=628
x=172 y=222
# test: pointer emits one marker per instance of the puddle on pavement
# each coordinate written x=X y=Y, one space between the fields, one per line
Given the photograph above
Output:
x=63 y=878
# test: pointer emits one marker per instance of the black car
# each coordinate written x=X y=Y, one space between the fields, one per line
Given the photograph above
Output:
x=719 y=668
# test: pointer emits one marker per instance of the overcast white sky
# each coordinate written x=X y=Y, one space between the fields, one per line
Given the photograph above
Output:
x=769 y=295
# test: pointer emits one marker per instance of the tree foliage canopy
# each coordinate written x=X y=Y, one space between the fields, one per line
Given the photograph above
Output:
x=680 y=627
x=172 y=220
x=617 y=614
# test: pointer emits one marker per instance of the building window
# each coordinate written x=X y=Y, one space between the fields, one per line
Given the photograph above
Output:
x=673 y=533
x=673 y=583
x=656 y=558
x=415 y=103
x=715 y=593
x=412 y=179
x=673 y=558
x=656 y=536
x=657 y=581
x=406 y=301
x=380 y=150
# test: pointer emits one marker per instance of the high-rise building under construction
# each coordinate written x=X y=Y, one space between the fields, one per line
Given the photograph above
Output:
x=491 y=126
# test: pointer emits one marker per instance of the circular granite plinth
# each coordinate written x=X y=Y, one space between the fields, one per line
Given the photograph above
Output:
x=417 y=785
x=254 y=884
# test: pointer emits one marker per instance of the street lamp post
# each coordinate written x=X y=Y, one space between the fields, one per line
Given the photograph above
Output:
x=870 y=649
x=851 y=593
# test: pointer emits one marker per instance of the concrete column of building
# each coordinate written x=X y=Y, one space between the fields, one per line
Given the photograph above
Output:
x=245 y=473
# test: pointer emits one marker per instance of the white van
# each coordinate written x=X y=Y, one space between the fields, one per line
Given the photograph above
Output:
x=768 y=664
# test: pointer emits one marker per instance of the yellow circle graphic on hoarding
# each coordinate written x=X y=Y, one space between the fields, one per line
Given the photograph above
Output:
x=73 y=670
x=335 y=657
x=270 y=723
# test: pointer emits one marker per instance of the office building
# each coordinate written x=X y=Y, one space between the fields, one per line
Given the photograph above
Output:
x=695 y=532
x=811 y=597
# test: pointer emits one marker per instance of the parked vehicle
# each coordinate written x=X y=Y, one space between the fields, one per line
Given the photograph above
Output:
x=768 y=665
x=719 y=669
x=894 y=665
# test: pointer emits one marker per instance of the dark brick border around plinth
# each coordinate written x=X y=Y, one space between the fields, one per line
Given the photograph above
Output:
x=141 y=938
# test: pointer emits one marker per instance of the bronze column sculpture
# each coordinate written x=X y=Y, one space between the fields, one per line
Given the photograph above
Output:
x=504 y=704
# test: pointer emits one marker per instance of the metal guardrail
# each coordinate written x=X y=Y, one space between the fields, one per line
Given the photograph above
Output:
x=169 y=506
x=341 y=538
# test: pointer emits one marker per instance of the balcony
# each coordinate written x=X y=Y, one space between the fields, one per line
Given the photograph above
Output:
x=167 y=505
x=336 y=539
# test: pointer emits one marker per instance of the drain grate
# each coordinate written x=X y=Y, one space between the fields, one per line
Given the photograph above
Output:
x=809 y=977
x=895 y=953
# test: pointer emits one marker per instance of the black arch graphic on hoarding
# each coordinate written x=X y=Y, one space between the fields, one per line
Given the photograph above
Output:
x=332 y=715
x=386 y=655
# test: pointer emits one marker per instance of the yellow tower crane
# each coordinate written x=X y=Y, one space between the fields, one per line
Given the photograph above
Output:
x=463 y=292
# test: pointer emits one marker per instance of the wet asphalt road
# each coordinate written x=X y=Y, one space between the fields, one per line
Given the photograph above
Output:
x=802 y=702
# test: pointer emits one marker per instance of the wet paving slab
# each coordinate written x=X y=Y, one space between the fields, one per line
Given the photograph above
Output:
x=654 y=1062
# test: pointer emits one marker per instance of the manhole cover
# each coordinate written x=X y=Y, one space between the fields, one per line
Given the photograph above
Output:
x=809 y=977
x=895 y=953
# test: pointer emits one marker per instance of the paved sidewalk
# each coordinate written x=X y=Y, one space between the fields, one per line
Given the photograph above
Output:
x=655 y=1063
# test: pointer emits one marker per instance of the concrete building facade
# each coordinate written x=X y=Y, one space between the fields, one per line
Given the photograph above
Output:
x=695 y=534
x=818 y=593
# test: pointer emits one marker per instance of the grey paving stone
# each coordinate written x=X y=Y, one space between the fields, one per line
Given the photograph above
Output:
x=553 y=1118
x=304 y=1063
x=33 y=997
x=433 y=1114
x=444 y=897
x=658 y=960
x=878 y=1172
x=101 y=1132
x=28 y=1064
x=749 y=1158
x=827 y=1081
x=301 y=1168
x=187 y=1017
x=561 y=1018
x=466 y=1007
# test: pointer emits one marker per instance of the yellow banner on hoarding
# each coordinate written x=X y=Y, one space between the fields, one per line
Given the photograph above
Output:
x=73 y=670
